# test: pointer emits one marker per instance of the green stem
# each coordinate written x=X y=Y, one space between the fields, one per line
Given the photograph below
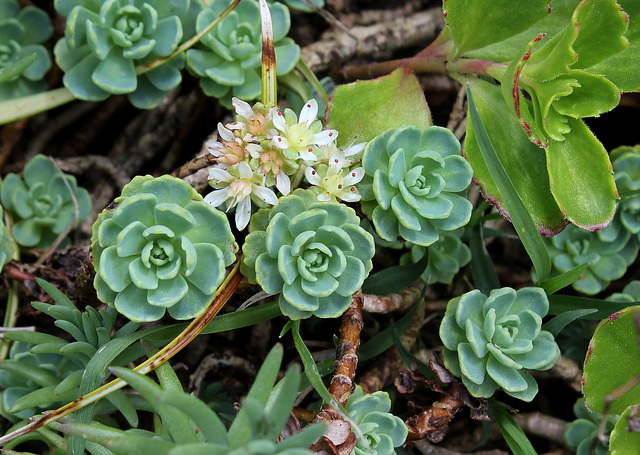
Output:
x=10 y=317
x=313 y=80
x=298 y=177
x=153 y=64
x=12 y=110
x=269 y=83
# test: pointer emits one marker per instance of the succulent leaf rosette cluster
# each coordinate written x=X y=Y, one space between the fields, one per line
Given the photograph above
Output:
x=161 y=248
x=313 y=253
x=607 y=260
x=229 y=57
x=583 y=432
x=490 y=342
x=22 y=32
x=105 y=41
x=42 y=204
x=412 y=184
x=383 y=431
x=260 y=153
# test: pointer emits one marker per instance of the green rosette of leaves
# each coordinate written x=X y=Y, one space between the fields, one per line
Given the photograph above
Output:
x=383 y=431
x=42 y=205
x=161 y=248
x=581 y=434
x=446 y=257
x=105 y=41
x=228 y=59
x=490 y=342
x=607 y=261
x=412 y=181
x=314 y=253
x=22 y=32
x=626 y=172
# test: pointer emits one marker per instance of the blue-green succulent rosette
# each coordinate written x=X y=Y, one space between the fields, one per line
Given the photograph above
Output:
x=581 y=434
x=22 y=32
x=42 y=203
x=313 y=253
x=607 y=260
x=228 y=59
x=490 y=342
x=412 y=184
x=383 y=431
x=106 y=40
x=162 y=248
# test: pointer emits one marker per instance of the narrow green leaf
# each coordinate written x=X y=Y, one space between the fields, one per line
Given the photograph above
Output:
x=559 y=304
x=512 y=433
x=558 y=323
x=40 y=376
x=484 y=273
x=522 y=222
x=551 y=286
x=408 y=358
x=14 y=69
x=396 y=278
x=281 y=402
x=56 y=294
x=34 y=338
x=40 y=397
x=18 y=108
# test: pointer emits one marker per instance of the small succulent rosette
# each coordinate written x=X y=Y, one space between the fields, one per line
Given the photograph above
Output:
x=105 y=43
x=161 y=248
x=607 y=260
x=22 y=32
x=313 y=253
x=228 y=58
x=626 y=171
x=383 y=431
x=412 y=184
x=582 y=432
x=490 y=342
x=42 y=205
x=630 y=293
x=446 y=257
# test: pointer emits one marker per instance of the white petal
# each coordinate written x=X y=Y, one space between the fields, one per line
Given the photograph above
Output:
x=225 y=133
x=308 y=158
x=309 y=112
x=255 y=150
x=279 y=121
x=354 y=176
x=325 y=137
x=283 y=183
x=354 y=149
x=243 y=213
x=265 y=194
x=242 y=107
x=215 y=173
x=337 y=160
x=312 y=176
x=244 y=170
x=348 y=196
x=216 y=197
x=214 y=147
x=324 y=197
x=280 y=142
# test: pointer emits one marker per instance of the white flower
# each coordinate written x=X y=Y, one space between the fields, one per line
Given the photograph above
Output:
x=334 y=180
x=302 y=135
x=236 y=191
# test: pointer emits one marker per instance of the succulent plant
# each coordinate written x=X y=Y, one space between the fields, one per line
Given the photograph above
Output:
x=630 y=293
x=22 y=32
x=160 y=248
x=228 y=58
x=25 y=373
x=608 y=260
x=7 y=245
x=626 y=168
x=42 y=205
x=446 y=256
x=412 y=182
x=383 y=431
x=582 y=432
x=105 y=41
x=303 y=6
x=490 y=342
x=314 y=253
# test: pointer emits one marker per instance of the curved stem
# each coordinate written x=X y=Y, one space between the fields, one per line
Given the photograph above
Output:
x=223 y=294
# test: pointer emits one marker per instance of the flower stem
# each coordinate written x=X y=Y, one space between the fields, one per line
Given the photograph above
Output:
x=311 y=77
x=15 y=109
x=269 y=83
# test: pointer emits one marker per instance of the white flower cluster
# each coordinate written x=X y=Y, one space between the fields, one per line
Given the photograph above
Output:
x=265 y=147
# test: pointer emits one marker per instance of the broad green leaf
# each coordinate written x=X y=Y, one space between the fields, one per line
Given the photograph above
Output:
x=524 y=161
x=522 y=221
x=613 y=360
x=362 y=110
x=512 y=433
x=558 y=323
x=554 y=284
x=623 y=441
x=14 y=69
x=581 y=178
x=394 y=279
x=477 y=24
